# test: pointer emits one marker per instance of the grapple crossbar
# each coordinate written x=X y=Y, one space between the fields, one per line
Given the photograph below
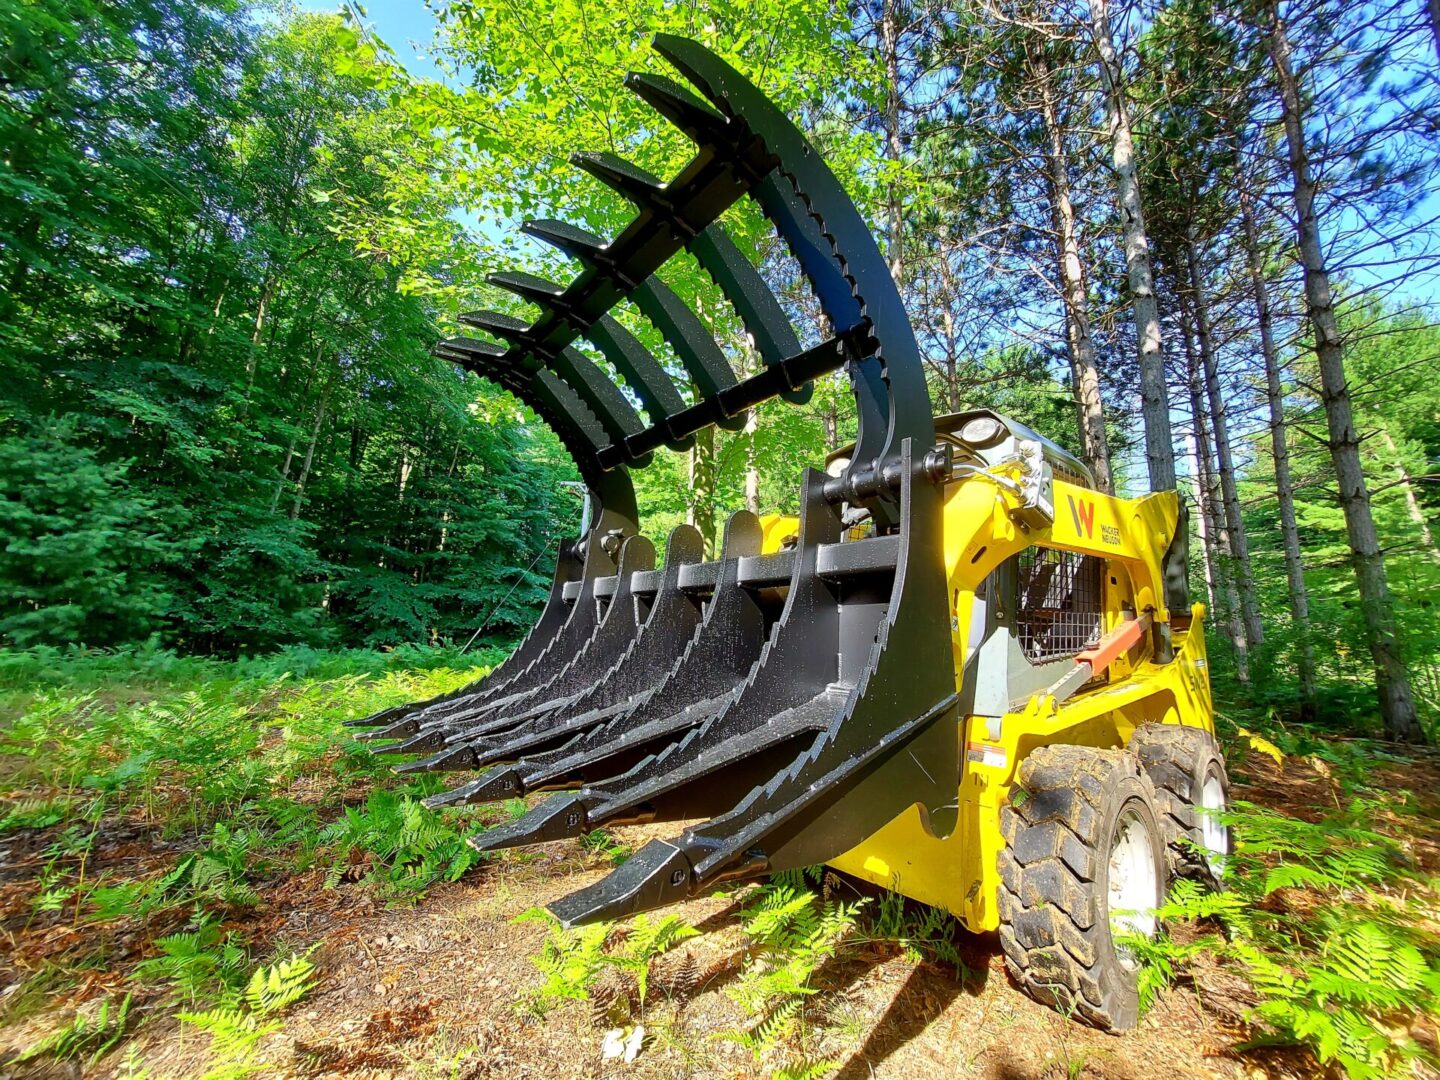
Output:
x=795 y=700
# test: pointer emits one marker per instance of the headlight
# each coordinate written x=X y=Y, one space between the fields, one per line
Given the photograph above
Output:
x=982 y=431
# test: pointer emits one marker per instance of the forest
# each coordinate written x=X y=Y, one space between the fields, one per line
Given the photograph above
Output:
x=1195 y=242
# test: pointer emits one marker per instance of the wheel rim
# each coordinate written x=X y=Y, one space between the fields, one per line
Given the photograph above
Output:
x=1134 y=882
x=1214 y=836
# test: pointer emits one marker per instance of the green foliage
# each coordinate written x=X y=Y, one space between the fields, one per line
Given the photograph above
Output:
x=572 y=959
x=921 y=930
x=1336 y=972
x=90 y=1037
x=411 y=847
x=237 y=1026
x=283 y=983
x=791 y=932
x=219 y=424
x=201 y=965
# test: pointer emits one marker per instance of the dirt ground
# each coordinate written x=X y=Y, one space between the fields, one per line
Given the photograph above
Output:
x=445 y=988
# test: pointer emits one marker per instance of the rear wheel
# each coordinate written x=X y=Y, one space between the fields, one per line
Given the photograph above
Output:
x=1192 y=789
x=1083 y=864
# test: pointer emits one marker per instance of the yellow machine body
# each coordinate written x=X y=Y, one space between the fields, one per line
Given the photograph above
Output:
x=982 y=529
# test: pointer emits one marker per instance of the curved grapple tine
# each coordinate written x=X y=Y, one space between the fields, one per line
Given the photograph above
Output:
x=799 y=744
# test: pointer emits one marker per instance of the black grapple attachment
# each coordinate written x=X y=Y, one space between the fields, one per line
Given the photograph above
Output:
x=792 y=701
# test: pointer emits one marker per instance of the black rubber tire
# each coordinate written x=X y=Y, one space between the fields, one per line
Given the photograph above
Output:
x=1059 y=828
x=1178 y=761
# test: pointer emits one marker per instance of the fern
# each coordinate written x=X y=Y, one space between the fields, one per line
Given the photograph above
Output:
x=93 y=1035
x=281 y=984
x=1340 y=973
x=792 y=932
x=199 y=965
x=570 y=960
x=646 y=940
x=234 y=1040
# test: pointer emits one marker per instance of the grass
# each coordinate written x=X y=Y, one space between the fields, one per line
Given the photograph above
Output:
x=163 y=814
x=154 y=798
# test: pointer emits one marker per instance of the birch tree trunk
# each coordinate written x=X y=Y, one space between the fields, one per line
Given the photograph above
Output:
x=1072 y=287
x=1220 y=425
x=1412 y=504
x=1392 y=683
x=310 y=449
x=895 y=226
x=1280 y=451
x=1154 y=397
x=1208 y=495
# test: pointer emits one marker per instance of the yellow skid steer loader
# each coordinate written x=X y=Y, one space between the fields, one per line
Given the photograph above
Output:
x=961 y=672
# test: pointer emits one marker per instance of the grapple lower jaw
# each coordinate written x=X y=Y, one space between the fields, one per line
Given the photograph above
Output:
x=796 y=728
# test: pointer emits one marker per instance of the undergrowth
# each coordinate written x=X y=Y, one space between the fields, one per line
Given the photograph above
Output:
x=1330 y=921
x=234 y=777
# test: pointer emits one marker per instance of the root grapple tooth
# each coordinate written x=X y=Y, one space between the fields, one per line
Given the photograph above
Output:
x=561 y=817
x=497 y=784
x=400 y=729
x=451 y=759
x=423 y=743
x=656 y=875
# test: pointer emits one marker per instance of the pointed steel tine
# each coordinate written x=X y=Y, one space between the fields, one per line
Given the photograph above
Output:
x=423 y=743
x=472 y=348
x=496 y=322
x=527 y=286
x=581 y=243
x=642 y=373
x=656 y=875
x=385 y=716
x=495 y=785
x=400 y=729
x=678 y=105
x=628 y=180
x=561 y=817
x=451 y=759
x=752 y=299
x=693 y=343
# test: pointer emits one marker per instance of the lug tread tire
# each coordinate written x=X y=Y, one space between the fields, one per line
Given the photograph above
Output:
x=1054 y=928
x=1177 y=758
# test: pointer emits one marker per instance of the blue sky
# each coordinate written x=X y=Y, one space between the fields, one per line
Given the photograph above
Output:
x=405 y=25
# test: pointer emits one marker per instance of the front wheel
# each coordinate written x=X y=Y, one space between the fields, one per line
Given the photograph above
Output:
x=1083 y=865
x=1193 y=792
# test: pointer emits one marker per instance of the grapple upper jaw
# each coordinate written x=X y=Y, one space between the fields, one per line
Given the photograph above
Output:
x=815 y=699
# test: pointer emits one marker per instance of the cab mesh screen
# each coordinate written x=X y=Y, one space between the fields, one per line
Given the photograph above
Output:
x=1059 y=602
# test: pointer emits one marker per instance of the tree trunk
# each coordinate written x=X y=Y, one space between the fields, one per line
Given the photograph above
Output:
x=947 y=326
x=1202 y=521
x=700 y=505
x=1397 y=706
x=1085 y=376
x=1154 y=397
x=890 y=46
x=752 y=426
x=1435 y=25
x=1412 y=504
x=252 y=362
x=1220 y=425
x=1280 y=450
x=310 y=449
x=1208 y=495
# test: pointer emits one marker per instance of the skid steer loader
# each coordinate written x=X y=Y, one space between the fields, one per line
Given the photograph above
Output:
x=961 y=672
